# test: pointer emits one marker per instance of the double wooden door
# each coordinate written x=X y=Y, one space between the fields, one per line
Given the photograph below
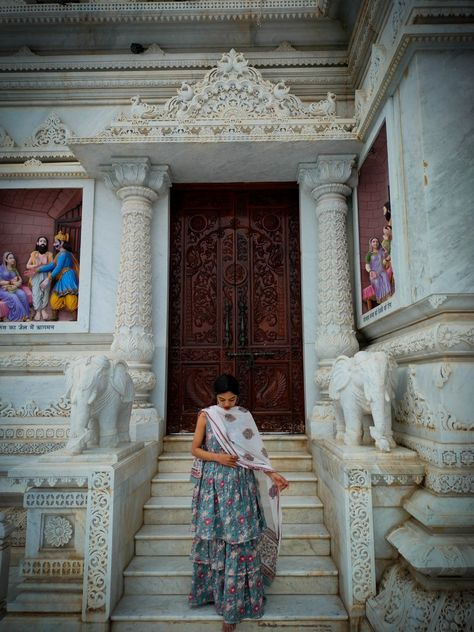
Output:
x=234 y=303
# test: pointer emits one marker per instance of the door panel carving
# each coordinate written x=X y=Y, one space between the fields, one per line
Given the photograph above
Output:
x=235 y=302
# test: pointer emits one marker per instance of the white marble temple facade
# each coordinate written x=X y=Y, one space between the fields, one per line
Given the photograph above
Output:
x=405 y=63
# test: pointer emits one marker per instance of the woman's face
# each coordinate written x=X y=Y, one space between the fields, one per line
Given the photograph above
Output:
x=374 y=243
x=226 y=400
x=387 y=232
x=10 y=260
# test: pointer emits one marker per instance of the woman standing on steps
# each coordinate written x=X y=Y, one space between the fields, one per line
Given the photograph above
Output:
x=236 y=511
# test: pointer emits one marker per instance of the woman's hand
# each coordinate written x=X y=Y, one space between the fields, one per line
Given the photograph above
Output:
x=373 y=274
x=279 y=480
x=229 y=460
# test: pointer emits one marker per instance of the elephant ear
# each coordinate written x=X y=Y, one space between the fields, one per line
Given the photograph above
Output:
x=122 y=381
x=340 y=376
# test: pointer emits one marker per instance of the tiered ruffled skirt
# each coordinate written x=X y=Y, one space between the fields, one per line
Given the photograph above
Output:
x=227 y=522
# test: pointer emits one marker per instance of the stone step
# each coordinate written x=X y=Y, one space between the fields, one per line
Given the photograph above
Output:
x=175 y=539
x=178 y=484
x=177 y=510
x=281 y=461
x=283 y=613
x=171 y=575
x=273 y=443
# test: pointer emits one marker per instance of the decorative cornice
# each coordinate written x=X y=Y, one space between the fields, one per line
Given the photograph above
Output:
x=290 y=58
x=162 y=12
x=456 y=338
x=231 y=103
x=59 y=408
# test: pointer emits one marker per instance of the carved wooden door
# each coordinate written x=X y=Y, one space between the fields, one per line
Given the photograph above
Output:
x=235 y=302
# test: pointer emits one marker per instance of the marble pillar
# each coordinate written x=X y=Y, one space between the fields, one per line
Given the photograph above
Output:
x=138 y=184
x=5 y=532
x=330 y=180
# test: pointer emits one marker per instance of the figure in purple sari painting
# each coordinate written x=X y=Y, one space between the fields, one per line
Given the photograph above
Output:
x=374 y=264
x=10 y=289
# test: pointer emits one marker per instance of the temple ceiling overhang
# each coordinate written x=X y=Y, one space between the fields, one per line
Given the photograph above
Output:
x=232 y=124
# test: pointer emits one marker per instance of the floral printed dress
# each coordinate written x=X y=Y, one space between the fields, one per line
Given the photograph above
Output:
x=227 y=522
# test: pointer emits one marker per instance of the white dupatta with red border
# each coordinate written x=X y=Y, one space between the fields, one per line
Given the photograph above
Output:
x=237 y=433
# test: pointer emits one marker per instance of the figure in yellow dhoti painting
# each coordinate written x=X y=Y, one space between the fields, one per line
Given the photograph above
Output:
x=63 y=274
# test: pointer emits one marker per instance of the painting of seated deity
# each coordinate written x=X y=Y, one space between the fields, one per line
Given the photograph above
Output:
x=40 y=246
x=375 y=227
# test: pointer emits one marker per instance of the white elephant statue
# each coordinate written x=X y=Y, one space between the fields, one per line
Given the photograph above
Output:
x=360 y=386
x=101 y=393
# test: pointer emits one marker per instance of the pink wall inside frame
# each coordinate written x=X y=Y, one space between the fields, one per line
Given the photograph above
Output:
x=25 y=214
x=373 y=191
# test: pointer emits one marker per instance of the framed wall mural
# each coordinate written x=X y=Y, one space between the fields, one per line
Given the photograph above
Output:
x=377 y=276
x=45 y=235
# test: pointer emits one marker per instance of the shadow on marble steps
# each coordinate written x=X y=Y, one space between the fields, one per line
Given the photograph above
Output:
x=283 y=613
x=175 y=539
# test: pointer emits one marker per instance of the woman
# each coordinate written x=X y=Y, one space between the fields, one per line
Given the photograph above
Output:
x=10 y=289
x=374 y=264
x=236 y=512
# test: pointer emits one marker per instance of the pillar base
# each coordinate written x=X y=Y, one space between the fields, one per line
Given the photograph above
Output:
x=146 y=425
x=322 y=424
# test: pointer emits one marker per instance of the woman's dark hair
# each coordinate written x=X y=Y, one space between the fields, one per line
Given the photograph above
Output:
x=388 y=214
x=226 y=383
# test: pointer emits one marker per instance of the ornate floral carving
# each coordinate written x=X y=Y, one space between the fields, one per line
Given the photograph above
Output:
x=57 y=531
x=36 y=568
x=437 y=299
x=442 y=373
x=99 y=526
x=446 y=483
x=33 y=162
x=436 y=338
x=414 y=409
x=396 y=479
x=5 y=140
x=51 y=132
x=17 y=517
x=402 y=604
x=231 y=101
x=59 y=408
x=361 y=535
x=51 y=500
x=232 y=89
x=440 y=455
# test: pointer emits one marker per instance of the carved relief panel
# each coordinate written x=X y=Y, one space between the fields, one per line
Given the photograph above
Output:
x=235 y=302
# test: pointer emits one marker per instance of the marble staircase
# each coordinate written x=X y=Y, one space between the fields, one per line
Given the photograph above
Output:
x=304 y=595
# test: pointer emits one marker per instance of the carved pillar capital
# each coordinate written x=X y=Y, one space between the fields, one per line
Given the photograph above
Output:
x=328 y=169
x=124 y=172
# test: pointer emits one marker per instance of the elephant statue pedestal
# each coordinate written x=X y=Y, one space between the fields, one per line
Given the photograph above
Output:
x=82 y=514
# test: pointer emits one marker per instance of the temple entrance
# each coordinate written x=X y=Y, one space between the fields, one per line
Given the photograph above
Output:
x=235 y=302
